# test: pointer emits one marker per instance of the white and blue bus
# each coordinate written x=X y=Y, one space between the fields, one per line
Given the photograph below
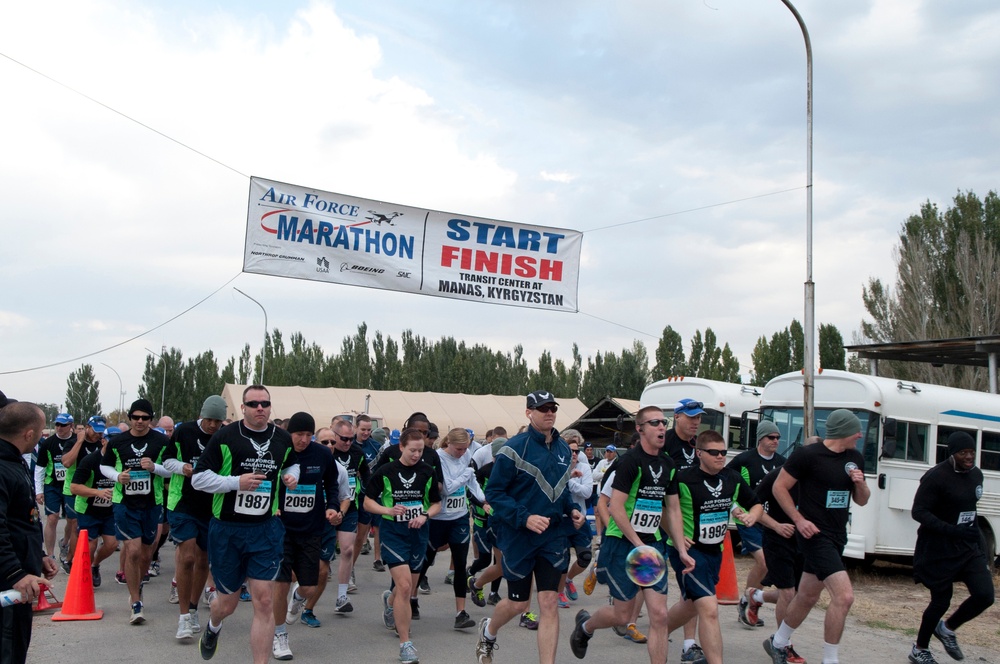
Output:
x=905 y=429
x=724 y=403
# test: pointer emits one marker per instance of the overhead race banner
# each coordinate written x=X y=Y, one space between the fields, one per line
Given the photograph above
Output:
x=305 y=233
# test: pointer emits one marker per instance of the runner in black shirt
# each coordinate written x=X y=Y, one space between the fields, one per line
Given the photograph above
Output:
x=829 y=475
x=950 y=547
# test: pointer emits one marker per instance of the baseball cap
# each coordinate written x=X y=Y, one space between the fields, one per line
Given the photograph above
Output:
x=4 y=400
x=432 y=431
x=688 y=407
x=97 y=423
x=64 y=418
x=610 y=448
x=586 y=445
x=540 y=398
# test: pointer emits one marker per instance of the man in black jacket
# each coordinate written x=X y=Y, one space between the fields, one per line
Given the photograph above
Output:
x=21 y=559
x=950 y=547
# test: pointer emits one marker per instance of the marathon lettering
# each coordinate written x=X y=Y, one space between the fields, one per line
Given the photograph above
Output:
x=351 y=238
x=496 y=262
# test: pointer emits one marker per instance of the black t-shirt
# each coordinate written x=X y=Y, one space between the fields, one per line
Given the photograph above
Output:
x=125 y=452
x=354 y=463
x=303 y=509
x=429 y=456
x=706 y=501
x=646 y=480
x=235 y=450
x=415 y=486
x=50 y=452
x=88 y=473
x=681 y=451
x=753 y=467
x=187 y=445
x=825 y=485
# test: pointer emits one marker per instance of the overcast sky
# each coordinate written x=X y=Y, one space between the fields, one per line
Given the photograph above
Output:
x=581 y=115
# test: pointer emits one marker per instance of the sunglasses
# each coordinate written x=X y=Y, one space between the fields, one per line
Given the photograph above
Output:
x=773 y=437
x=548 y=408
x=655 y=423
x=715 y=453
x=328 y=441
x=66 y=424
x=345 y=439
x=257 y=404
x=691 y=405
x=140 y=418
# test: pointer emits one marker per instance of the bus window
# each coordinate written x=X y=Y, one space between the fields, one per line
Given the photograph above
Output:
x=911 y=441
x=714 y=420
x=942 y=440
x=990 y=456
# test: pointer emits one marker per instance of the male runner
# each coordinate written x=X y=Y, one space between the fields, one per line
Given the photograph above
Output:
x=354 y=467
x=643 y=501
x=370 y=443
x=950 y=547
x=829 y=475
x=242 y=465
x=93 y=492
x=50 y=472
x=89 y=442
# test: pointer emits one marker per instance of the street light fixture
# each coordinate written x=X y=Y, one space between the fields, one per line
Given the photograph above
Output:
x=121 y=390
x=163 y=356
x=263 y=352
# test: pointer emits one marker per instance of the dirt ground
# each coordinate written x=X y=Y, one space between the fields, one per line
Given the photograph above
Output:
x=885 y=597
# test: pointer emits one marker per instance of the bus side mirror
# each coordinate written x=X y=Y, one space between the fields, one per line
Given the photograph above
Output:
x=888 y=438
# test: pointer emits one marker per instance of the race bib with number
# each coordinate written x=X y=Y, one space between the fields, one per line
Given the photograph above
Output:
x=139 y=484
x=966 y=517
x=455 y=502
x=301 y=499
x=838 y=500
x=101 y=502
x=712 y=527
x=254 y=503
x=352 y=482
x=646 y=515
x=414 y=508
x=59 y=472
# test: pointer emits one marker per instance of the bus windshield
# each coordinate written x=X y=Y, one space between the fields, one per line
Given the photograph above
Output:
x=789 y=423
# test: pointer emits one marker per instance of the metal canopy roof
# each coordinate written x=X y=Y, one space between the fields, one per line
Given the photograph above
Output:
x=969 y=351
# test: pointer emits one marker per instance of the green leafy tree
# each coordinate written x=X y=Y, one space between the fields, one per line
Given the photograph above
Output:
x=831 y=348
x=82 y=393
x=669 y=356
x=50 y=410
x=172 y=396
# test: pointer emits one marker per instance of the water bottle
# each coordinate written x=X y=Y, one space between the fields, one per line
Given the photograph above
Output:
x=11 y=597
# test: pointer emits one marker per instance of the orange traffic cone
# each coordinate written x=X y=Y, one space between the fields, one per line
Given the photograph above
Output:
x=79 y=603
x=727 y=590
x=46 y=598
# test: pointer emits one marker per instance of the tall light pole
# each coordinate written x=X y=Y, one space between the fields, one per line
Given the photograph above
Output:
x=121 y=390
x=263 y=352
x=809 y=340
x=163 y=357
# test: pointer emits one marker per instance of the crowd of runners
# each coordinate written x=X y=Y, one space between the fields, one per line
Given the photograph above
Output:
x=271 y=513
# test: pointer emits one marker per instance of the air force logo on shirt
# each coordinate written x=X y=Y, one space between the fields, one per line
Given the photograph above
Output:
x=407 y=483
x=979 y=492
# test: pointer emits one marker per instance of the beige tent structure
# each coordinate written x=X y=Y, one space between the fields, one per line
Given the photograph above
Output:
x=479 y=412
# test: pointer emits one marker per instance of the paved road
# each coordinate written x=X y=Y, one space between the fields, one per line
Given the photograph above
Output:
x=360 y=636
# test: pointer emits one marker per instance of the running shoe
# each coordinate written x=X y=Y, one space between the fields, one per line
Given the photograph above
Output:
x=571 y=590
x=414 y=609
x=352 y=586
x=921 y=656
x=949 y=641
x=563 y=601
x=208 y=643
x=778 y=655
x=154 y=568
x=694 y=654
x=366 y=548
x=309 y=619
x=408 y=653
x=184 y=630
x=425 y=587
x=63 y=548
x=193 y=620
x=633 y=634
x=493 y=599
x=449 y=578
x=388 y=619
x=279 y=648
x=344 y=605
x=244 y=594
x=95 y=573
x=464 y=620
x=579 y=639
x=378 y=566
x=484 y=646
x=746 y=613
x=591 y=581
x=66 y=565
x=793 y=657
x=620 y=630
x=529 y=621
x=136 y=618
x=208 y=595
x=295 y=604
x=173 y=599
x=476 y=594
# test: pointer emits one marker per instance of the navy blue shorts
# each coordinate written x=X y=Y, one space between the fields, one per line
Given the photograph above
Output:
x=702 y=580
x=402 y=545
x=69 y=506
x=96 y=526
x=367 y=518
x=241 y=551
x=454 y=531
x=349 y=524
x=132 y=524
x=485 y=539
x=53 y=499
x=611 y=569
x=581 y=538
x=751 y=538
x=184 y=527
x=328 y=543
